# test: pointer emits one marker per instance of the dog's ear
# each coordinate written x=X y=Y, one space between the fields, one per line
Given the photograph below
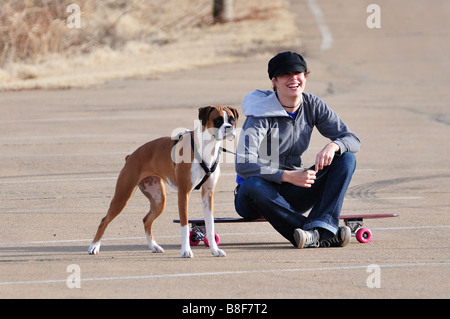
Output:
x=235 y=112
x=203 y=114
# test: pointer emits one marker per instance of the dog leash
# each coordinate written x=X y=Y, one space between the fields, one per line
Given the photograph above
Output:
x=321 y=173
x=197 y=156
x=210 y=170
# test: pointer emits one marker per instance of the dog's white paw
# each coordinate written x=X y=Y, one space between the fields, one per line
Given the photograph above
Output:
x=154 y=247
x=94 y=248
x=157 y=248
x=187 y=253
x=218 y=253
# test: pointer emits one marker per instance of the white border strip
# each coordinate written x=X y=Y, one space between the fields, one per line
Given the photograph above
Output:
x=220 y=273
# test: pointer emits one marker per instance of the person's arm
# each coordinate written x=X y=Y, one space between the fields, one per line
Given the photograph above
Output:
x=326 y=155
x=330 y=125
x=248 y=160
x=302 y=178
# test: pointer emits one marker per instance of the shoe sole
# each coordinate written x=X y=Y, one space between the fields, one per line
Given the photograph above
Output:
x=346 y=234
x=299 y=238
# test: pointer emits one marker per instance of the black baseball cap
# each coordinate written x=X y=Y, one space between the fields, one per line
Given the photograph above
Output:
x=286 y=62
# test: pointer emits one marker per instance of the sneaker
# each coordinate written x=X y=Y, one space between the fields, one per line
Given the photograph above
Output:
x=306 y=238
x=341 y=239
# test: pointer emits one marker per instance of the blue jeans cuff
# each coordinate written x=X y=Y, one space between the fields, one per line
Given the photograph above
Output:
x=320 y=224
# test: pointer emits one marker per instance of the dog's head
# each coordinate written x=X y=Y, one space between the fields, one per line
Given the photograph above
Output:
x=219 y=121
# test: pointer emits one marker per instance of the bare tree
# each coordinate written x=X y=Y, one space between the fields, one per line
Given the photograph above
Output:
x=223 y=11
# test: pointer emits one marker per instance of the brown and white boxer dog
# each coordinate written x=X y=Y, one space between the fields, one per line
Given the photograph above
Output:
x=189 y=162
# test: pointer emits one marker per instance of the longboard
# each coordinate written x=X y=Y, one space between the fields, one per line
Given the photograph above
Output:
x=355 y=222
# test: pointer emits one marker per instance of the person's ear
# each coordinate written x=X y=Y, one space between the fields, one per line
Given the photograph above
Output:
x=274 y=81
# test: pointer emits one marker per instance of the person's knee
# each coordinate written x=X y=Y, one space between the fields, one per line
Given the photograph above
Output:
x=249 y=199
x=347 y=161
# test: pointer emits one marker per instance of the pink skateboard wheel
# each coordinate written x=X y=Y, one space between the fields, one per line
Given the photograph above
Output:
x=193 y=238
x=363 y=235
x=216 y=237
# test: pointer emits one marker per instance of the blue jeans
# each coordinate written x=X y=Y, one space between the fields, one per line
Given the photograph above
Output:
x=284 y=205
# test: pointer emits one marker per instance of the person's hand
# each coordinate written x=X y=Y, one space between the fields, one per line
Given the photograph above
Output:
x=325 y=156
x=299 y=178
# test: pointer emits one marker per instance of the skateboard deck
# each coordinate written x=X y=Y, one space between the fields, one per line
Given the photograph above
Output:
x=355 y=222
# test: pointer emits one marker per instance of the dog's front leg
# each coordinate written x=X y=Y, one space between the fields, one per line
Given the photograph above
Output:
x=208 y=211
x=186 y=251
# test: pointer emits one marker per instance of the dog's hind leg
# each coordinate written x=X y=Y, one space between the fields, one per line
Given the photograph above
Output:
x=154 y=189
x=125 y=187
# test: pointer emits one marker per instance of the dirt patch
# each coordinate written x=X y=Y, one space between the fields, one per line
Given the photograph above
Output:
x=129 y=39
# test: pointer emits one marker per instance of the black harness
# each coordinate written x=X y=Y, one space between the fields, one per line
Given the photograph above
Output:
x=208 y=170
x=198 y=157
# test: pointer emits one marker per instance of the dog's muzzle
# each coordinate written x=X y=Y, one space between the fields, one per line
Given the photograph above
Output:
x=229 y=132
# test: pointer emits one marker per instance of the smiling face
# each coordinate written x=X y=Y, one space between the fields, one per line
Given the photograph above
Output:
x=290 y=84
x=219 y=121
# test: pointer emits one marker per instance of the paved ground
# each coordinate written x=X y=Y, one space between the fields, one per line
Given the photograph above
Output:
x=61 y=152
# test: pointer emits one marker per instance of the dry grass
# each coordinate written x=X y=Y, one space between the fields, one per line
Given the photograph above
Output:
x=128 y=38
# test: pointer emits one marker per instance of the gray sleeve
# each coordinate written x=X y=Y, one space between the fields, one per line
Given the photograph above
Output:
x=333 y=127
x=251 y=142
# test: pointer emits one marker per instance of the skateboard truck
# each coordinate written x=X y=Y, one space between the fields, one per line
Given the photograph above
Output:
x=198 y=234
x=363 y=235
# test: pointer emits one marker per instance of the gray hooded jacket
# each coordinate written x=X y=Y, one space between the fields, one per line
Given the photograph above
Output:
x=272 y=141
